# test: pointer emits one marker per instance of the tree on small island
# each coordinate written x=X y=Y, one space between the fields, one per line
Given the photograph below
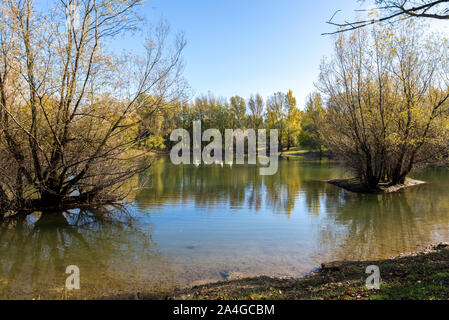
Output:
x=387 y=102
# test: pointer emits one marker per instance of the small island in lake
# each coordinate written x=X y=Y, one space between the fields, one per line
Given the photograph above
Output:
x=354 y=185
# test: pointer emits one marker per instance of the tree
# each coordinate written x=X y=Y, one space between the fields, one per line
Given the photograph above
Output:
x=68 y=109
x=212 y=112
x=396 y=10
x=284 y=115
x=311 y=120
x=276 y=116
x=256 y=107
x=238 y=112
x=156 y=121
x=293 y=120
x=387 y=102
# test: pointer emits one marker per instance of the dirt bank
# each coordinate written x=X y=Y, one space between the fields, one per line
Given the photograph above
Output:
x=421 y=275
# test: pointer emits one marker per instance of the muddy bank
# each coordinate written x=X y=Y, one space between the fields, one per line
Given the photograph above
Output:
x=420 y=275
x=354 y=185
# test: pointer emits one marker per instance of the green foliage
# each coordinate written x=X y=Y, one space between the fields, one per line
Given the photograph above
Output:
x=284 y=115
x=310 y=137
x=256 y=108
x=387 y=102
x=238 y=112
x=293 y=121
x=156 y=123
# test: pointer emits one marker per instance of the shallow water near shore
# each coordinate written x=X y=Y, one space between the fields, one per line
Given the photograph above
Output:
x=191 y=225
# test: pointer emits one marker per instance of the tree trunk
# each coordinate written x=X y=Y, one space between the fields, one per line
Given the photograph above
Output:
x=51 y=200
x=371 y=180
x=398 y=177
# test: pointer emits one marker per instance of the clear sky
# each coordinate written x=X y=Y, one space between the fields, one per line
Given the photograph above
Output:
x=243 y=47
x=240 y=47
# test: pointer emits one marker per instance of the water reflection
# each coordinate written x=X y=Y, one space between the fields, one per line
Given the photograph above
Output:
x=379 y=226
x=114 y=256
x=238 y=187
x=190 y=225
x=321 y=222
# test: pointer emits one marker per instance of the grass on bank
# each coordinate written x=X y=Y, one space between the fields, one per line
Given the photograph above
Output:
x=421 y=276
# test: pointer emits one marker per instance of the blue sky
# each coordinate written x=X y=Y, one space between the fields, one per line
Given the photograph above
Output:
x=243 y=47
x=240 y=47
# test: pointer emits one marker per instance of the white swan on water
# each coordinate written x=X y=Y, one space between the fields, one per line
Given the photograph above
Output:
x=196 y=163
x=219 y=162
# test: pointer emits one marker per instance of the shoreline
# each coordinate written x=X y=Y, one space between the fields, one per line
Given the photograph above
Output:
x=308 y=155
x=418 y=275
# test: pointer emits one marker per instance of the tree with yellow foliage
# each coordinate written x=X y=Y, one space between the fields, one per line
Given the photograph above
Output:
x=293 y=121
x=311 y=121
x=68 y=109
x=388 y=102
x=284 y=116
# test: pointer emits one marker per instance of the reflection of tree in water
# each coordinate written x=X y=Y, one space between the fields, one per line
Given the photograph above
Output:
x=205 y=186
x=351 y=226
x=298 y=178
x=241 y=186
x=112 y=254
x=379 y=226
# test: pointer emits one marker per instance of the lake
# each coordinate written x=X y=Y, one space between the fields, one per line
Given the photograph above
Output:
x=189 y=225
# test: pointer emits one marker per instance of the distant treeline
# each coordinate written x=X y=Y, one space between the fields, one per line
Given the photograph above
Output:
x=295 y=127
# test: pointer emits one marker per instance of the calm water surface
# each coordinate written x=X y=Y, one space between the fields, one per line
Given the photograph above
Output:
x=191 y=225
